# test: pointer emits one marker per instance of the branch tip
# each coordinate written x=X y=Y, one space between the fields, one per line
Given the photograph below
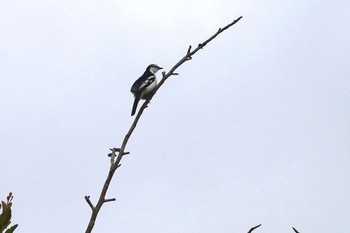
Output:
x=253 y=228
x=295 y=230
x=109 y=200
x=87 y=199
x=189 y=49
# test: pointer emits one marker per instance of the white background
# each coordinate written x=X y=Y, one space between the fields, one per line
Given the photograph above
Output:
x=255 y=129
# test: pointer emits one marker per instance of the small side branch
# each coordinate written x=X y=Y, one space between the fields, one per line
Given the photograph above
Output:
x=113 y=154
x=87 y=199
x=108 y=200
x=114 y=150
x=295 y=230
x=253 y=228
x=189 y=53
x=189 y=49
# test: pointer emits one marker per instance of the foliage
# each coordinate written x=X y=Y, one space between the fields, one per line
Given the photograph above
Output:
x=5 y=216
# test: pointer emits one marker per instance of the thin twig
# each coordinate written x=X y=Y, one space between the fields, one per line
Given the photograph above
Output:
x=87 y=199
x=115 y=159
x=253 y=228
x=110 y=199
x=295 y=230
x=189 y=49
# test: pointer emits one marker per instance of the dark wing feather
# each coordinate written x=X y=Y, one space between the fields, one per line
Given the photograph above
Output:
x=142 y=83
x=134 y=106
x=139 y=86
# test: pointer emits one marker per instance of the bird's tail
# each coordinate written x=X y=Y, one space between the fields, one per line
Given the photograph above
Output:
x=134 y=106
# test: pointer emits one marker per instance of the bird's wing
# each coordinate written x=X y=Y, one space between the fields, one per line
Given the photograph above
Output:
x=141 y=84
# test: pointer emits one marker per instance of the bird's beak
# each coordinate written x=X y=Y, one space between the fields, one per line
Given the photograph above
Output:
x=160 y=68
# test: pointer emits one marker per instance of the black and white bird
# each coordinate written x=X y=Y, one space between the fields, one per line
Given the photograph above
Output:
x=144 y=85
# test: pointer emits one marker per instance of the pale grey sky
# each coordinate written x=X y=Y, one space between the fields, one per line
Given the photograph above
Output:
x=255 y=129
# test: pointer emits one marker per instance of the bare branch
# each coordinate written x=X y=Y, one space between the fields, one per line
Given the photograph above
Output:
x=118 y=153
x=112 y=154
x=87 y=199
x=189 y=49
x=253 y=228
x=115 y=149
x=108 y=200
x=295 y=230
x=189 y=55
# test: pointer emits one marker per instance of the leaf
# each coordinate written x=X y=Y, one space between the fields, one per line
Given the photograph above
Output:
x=2 y=228
x=11 y=230
x=5 y=218
x=4 y=206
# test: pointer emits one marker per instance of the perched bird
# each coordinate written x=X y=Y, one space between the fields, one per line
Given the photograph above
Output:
x=144 y=85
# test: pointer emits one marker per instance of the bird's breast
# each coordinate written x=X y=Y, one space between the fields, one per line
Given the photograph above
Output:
x=148 y=90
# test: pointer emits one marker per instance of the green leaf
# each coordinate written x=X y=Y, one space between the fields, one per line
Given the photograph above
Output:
x=4 y=206
x=11 y=230
x=2 y=228
x=5 y=218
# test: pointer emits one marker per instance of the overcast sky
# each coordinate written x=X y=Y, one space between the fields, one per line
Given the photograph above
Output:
x=255 y=129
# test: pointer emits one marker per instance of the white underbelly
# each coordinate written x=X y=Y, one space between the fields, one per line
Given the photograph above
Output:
x=149 y=89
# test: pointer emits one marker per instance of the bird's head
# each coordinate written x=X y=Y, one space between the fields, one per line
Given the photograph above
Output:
x=153 y=68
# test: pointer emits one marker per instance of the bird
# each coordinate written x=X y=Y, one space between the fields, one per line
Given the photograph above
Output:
x=144 y=85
